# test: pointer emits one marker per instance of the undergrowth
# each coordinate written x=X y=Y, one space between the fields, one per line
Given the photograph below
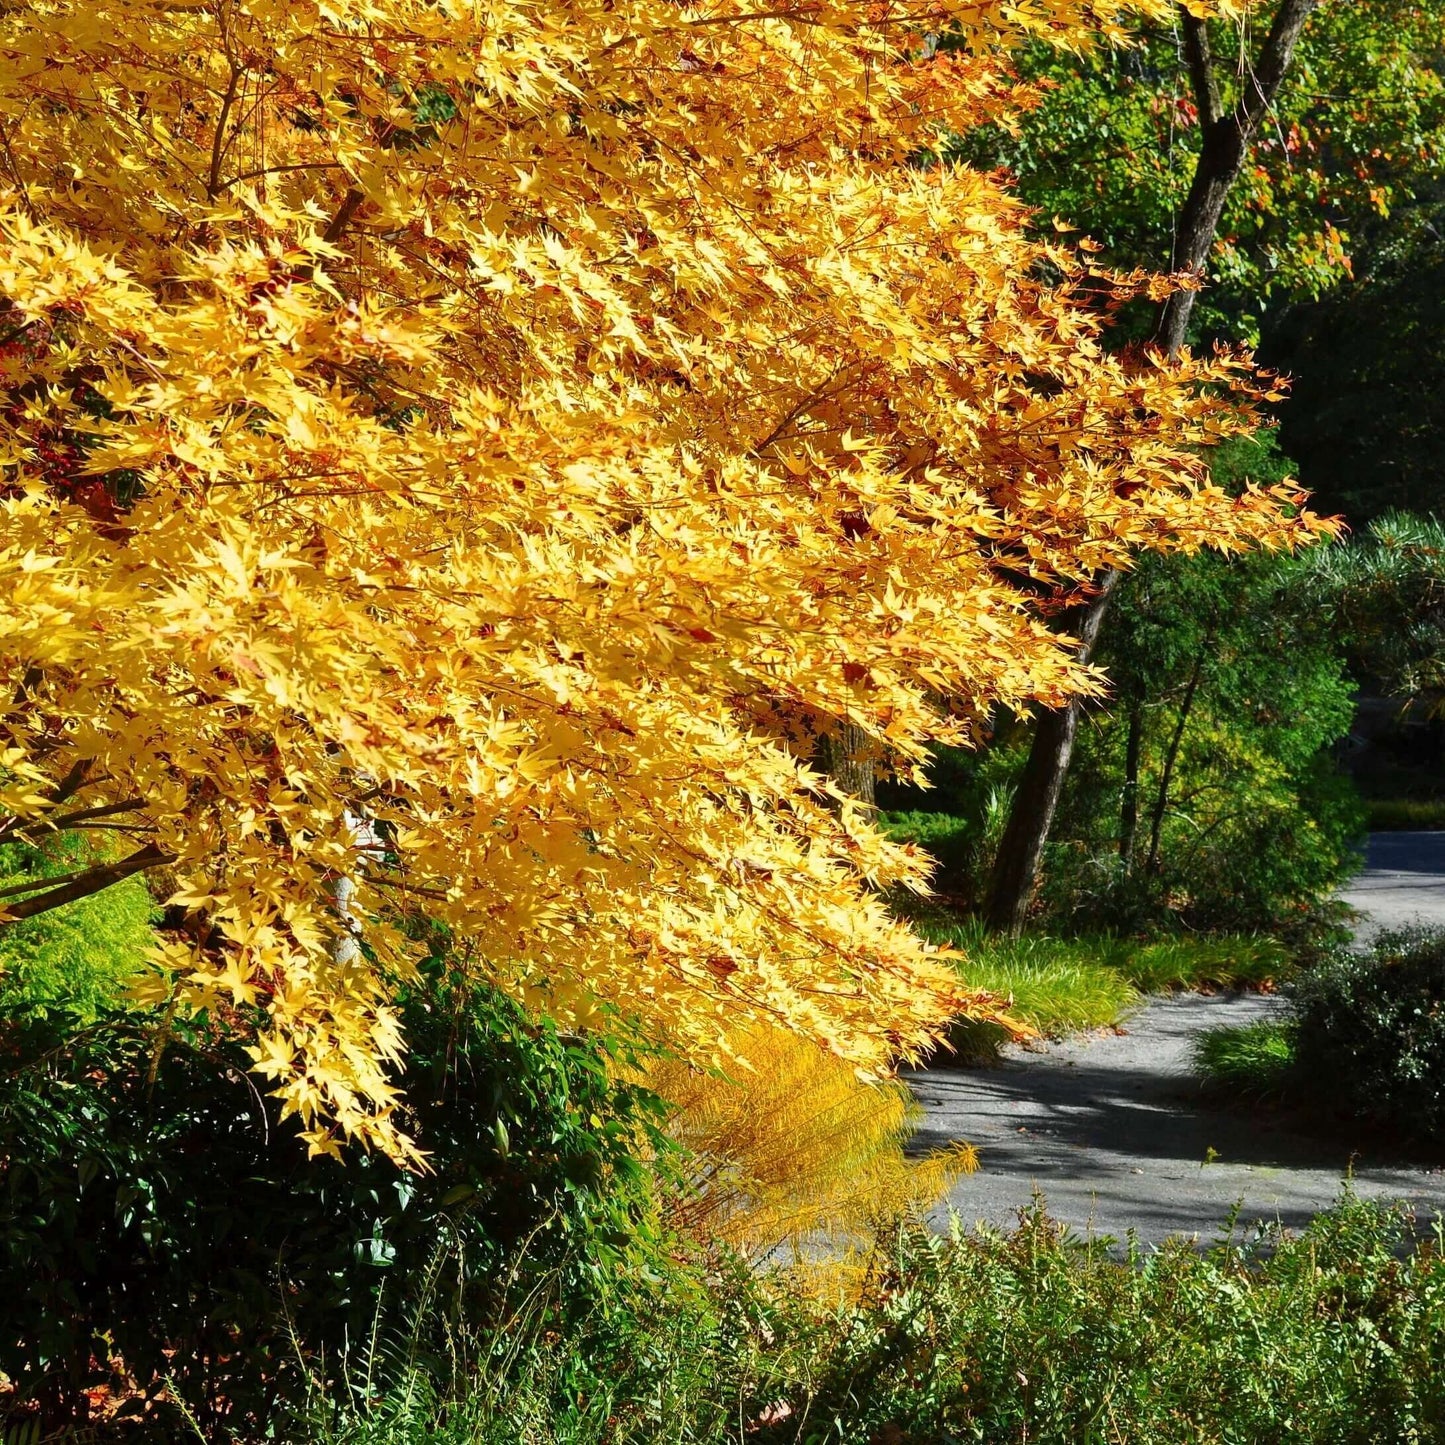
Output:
x=1329 y=1338
x=1251 y=1062
x=1388 y=815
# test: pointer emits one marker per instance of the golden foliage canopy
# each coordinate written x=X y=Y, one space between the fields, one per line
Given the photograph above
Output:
x=449 y=445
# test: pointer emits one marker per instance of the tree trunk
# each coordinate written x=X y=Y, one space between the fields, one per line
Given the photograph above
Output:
x=1129 y=802
x=1016 y=869
x=844 y=756
x=1171 y=756
x=1226 y=140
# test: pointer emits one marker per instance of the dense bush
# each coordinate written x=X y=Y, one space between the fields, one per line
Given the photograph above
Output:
x=1370 y=1032
x=160 y=1225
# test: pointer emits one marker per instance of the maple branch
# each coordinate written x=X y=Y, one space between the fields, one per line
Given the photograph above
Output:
x=29 y=680
x=73 y=781
x=808 y=16
x=404 y=886
x=811 y=398
x=67 y=787
x=278 y=170
x=83 y=884
x=223 y=119
x=86 y=815
x=336 y=226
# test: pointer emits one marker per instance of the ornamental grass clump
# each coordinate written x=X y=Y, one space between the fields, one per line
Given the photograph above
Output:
x=787 y=1146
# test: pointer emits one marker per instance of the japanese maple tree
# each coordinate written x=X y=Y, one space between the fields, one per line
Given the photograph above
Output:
x=459 y=456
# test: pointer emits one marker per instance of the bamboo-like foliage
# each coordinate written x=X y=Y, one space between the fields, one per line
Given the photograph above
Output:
x=795 y=1150
x=457 y=454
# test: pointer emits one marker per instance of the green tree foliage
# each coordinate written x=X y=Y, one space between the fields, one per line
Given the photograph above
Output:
x=1205 y=792
x=76 y=958
x=1356 y=137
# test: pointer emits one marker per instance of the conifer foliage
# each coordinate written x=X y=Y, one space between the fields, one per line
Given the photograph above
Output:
x=461 y=453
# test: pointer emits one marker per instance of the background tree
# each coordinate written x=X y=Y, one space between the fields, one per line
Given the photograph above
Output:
x=1341 y=172
x=1206 y=795
x=1359 y=125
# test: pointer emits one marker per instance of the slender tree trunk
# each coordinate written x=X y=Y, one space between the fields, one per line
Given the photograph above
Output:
x=843 y=755
x=1129 y=802
x=1171 y=756
x=1227 y=136
x=1016 y=869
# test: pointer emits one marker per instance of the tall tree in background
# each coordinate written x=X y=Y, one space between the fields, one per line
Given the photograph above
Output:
x=1341 y=173
x=1226 y=133
x=1364 y=128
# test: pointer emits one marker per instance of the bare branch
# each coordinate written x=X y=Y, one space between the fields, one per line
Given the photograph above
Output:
x=218 y=144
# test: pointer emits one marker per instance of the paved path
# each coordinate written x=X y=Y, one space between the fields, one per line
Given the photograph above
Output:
x=1110 y=1129
x=1403 y=882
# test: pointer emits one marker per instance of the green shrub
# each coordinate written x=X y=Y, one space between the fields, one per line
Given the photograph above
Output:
x=1248 y=1061
x=1330 y=1338
x=1370 y=1032
x=156 y=1213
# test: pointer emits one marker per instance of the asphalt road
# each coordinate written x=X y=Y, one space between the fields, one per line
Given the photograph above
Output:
x=1111 y=1131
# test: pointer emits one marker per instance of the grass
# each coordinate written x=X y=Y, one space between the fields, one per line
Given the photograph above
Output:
x=1056 y=986
x=1061 y=986
x=1252 y=1062
x=1388 y=815
x=1170 y=965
